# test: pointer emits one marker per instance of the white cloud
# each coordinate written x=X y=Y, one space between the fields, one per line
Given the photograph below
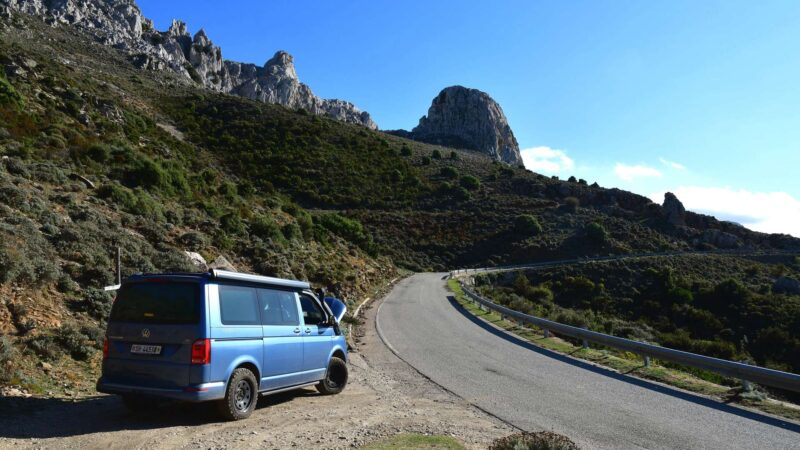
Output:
x=546 y=160
x=672 y=164
x=630 y=173
x=768 y=212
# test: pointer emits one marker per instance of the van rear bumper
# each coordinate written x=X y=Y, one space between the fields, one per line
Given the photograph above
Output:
x=194 y=393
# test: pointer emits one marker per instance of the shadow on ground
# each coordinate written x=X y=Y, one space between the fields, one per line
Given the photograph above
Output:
x=43 y=418
x=662 y=389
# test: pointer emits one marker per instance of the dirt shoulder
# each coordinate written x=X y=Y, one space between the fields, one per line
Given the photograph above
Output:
x=385 y=397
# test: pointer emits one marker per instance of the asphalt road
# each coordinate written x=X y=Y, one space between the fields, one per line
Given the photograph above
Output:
x=534 y=389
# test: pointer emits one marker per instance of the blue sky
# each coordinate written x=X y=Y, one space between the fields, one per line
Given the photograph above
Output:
x=701 y=98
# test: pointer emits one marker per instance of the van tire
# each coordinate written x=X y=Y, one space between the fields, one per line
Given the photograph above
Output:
x=335 y=377
x=137 y=404
x=241 y=395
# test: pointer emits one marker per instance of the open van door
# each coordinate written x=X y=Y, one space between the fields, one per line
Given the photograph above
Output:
x=337 y=307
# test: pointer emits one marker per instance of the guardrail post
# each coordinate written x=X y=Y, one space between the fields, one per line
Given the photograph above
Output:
x=546 y=333
x=747 y=386
x=646 y=361
x=585 y=342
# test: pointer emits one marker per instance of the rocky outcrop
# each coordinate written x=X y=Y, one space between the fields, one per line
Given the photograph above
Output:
x=120 y=23
x=673 y=210
x=468 y=118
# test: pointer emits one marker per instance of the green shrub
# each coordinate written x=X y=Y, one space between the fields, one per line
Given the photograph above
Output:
x=292 y=231
x=192 y=240
x=99 y=153
x=526 y=223
x=97 y=303
x=266 y=229
x=436 y=154
x=448 y=172
x=597 y=233
x=232 y=223
x=453 y=155
x=9 y=95
x=349 y=229
x=470 y=182
x=461 y=194
x=426 y=161
x=76 y=343
x=405 y=150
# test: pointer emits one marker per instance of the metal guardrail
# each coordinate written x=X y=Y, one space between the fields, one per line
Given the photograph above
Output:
x=736 y=252
x=761 y=375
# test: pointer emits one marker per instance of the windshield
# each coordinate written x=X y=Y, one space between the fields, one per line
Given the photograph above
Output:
x=149 y=302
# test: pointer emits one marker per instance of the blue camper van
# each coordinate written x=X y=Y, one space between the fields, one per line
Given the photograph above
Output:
x=221 y=336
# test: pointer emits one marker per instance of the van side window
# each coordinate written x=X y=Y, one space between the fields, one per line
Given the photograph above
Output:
x=278 y=307
x=312 y=313
x=238 y=305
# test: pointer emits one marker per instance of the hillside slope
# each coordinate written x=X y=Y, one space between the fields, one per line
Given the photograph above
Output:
x=97 y=153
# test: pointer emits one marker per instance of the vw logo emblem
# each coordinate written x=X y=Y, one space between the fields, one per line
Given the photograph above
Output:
x=145 y=333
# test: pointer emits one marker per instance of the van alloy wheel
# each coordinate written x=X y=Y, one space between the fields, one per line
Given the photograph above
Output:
x=241 y=395
x=244 y=395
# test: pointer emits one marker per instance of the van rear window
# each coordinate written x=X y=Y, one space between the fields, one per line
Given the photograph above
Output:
x=172 y=303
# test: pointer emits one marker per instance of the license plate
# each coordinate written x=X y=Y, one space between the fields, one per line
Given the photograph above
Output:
x=146 y=349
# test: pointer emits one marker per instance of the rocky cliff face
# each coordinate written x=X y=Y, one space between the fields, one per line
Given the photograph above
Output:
x=468 y=118
x=120 y=23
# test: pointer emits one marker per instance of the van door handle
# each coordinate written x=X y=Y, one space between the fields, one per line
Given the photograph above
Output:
x=297 y=330
x=308 y=330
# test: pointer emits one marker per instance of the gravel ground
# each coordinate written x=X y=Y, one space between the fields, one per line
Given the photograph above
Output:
x=385 y=396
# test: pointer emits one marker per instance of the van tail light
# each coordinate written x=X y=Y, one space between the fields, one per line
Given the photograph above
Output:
x=105 y=347
x=201 y=351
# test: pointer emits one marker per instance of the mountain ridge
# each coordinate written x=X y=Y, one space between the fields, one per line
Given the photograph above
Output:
x=121 y=24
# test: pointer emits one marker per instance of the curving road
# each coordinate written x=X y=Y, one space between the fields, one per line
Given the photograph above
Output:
x=534 y=389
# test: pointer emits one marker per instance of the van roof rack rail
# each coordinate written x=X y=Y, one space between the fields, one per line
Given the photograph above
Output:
x=261 y=279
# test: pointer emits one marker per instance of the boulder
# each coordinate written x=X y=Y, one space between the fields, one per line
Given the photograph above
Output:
x=222 y=263
x=197 y=259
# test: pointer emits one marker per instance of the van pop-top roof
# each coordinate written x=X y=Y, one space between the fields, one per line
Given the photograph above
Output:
x=221 y=275
x=261 y=279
